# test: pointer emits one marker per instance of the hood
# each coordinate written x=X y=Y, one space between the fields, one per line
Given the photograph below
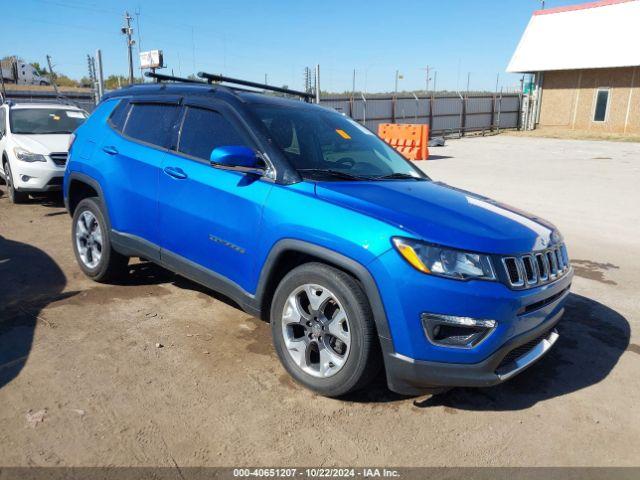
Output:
x=444 y=215
x=43 y=144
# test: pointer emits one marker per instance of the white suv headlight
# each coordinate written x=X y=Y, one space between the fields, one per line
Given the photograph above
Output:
x=27 y=156
x=444 y=262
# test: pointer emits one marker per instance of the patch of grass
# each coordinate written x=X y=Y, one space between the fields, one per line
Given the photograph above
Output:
x=564 y=134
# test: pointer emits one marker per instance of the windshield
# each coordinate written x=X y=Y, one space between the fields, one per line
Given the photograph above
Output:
x=40 y=121
x=328 y=144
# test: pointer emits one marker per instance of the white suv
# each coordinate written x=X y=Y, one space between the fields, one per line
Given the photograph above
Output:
x=34 y=143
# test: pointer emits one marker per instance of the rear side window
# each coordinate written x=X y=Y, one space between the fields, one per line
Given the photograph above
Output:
x=119 y=115
x=151 y=123
x=203 y=130
x=3 y=128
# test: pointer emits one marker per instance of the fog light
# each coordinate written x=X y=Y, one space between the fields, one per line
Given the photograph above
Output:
x=452 y=331
x=25 y=178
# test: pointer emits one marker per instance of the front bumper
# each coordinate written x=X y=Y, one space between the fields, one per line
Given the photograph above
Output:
x=412 y=377
x=415 y=365
x=42 y=176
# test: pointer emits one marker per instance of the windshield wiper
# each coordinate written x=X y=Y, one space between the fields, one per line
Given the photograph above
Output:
x=398 y=175
x=333 y=173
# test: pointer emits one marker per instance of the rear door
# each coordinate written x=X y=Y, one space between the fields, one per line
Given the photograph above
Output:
x=208 y=216
x=133 y=153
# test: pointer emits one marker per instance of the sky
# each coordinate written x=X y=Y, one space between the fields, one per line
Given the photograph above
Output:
x=249 y=39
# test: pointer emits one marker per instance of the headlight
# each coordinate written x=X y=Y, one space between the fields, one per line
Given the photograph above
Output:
x=27 y=156
x=444 y=262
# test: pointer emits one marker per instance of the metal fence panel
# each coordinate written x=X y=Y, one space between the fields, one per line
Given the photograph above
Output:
x=82 y=99
x=379 y=109
x=451 y=113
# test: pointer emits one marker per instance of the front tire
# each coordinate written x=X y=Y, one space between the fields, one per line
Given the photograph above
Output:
x=323 y=330
x=14 y=195
x=92 y=243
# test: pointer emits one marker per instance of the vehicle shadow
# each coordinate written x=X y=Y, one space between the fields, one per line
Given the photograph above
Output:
x=149 y=273
x=47 y=199
x=592 y=339
x=30 y=281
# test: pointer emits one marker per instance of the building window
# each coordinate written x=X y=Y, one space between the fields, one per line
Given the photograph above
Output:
x=602 y=105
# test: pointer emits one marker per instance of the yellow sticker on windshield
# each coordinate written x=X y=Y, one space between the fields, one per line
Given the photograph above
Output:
x=343 y=134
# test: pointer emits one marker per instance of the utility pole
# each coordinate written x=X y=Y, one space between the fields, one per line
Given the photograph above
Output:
x=53 y=75
x=317 y=83
x=435 y=79
x=92 y=78
x=398 y=77
x=353 y=84
x=395 y=89
x=428 y=79
x=128 y=31
x=468 y=81
x=99 y=75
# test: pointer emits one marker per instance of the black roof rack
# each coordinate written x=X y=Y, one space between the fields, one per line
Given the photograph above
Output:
x=160 y=77
x=210 y=77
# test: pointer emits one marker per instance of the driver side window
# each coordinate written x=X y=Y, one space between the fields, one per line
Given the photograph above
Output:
x=203 y=130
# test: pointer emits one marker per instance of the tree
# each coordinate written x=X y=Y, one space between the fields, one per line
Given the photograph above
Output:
x=64 y=81
x=41 y=71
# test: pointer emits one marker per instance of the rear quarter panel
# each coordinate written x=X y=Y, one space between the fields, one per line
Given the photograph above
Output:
x=88 y=137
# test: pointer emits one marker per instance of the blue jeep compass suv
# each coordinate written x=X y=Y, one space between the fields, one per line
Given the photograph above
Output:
x=306 y=218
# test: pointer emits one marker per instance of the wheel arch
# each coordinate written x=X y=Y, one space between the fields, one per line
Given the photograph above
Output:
x=79 y=187
x=290 y=253
x=4 y=158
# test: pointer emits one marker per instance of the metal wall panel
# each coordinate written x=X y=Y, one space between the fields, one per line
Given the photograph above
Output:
x=82 y=99
x=447 y=111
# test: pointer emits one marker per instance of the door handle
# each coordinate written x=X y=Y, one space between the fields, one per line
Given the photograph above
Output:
x=110 y=150
x=175 y=172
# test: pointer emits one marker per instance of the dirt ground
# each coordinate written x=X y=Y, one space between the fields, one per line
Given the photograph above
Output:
x=83 y=383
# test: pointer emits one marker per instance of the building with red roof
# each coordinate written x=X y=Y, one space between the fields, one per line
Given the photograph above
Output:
x=586 y=65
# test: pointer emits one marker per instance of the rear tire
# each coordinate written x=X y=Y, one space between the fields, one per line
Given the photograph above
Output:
x=91 y=240
x=14 y=195
x=323 y=330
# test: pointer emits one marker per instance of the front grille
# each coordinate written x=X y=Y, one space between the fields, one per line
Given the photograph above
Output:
x=60 y=158
x=55 y=181
x=537 y=268
x=523 y=349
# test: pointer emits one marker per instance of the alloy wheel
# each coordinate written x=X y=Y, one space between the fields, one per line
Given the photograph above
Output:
x=89 y=239
x=316 y=330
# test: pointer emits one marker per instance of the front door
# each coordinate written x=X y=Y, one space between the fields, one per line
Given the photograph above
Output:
x=210 y=218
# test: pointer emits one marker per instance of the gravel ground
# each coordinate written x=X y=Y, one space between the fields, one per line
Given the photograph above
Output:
x=83 y=383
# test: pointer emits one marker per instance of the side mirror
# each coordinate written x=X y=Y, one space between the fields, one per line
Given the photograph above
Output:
x=237 y=158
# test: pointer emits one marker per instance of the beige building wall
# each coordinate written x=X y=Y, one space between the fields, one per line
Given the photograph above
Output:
x=569 y=96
